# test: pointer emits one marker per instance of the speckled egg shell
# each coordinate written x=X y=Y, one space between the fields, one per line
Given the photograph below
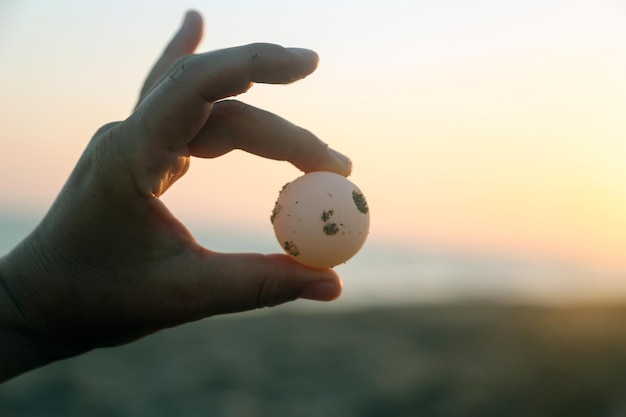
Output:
x=321 y=219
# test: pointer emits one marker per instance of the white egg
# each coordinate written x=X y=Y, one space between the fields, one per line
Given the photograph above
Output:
x=321 y=219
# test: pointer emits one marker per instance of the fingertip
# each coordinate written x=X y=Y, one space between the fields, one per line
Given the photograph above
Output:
x=327 y=159
x=192 y=17
x=307 y=54
x=321 y=291
x=306 y=283
x=192 y=29
x=343 y=163
x=306 y=60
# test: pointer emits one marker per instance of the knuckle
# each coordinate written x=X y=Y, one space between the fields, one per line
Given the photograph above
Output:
x=181 y=68
x=105 y=129
x=273 y=292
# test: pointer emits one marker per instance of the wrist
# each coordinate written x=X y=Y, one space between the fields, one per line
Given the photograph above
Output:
x=18 y=347
x=27 y=329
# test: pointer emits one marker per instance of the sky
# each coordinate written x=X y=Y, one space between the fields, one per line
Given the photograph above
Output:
x=486 y=125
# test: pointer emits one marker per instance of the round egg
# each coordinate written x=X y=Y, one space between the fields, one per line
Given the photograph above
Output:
x=321 y=219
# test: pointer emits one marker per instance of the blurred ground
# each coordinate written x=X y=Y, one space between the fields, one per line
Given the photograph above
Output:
x=437 y=360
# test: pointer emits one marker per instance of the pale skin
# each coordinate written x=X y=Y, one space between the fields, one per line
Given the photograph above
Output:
x=109 y=263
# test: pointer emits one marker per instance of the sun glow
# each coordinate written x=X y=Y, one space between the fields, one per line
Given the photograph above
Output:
x=501 y=127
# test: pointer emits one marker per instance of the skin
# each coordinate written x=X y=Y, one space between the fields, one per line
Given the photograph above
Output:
x=109 y=263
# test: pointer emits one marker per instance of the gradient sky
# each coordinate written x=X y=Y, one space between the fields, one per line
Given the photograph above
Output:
x=489 y=125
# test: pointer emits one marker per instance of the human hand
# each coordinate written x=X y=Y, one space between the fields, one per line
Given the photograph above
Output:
x=109 y=263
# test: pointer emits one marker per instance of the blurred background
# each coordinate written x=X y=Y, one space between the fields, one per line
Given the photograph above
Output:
x=489 y=138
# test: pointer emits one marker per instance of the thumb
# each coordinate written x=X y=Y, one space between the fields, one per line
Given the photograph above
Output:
x=220 y=283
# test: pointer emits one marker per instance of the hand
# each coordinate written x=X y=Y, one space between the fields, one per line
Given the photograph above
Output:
x=109 y=263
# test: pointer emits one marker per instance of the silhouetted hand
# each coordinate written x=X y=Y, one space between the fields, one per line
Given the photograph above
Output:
x=109 y=263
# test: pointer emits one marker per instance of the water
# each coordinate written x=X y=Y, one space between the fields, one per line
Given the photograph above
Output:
x=384 y=273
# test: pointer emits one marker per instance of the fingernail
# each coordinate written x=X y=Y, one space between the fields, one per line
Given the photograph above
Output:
x=306 y=53
x=342 y=159
x=320 y=291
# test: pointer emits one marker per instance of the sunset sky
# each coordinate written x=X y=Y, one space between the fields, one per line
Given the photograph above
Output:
x=490 y=124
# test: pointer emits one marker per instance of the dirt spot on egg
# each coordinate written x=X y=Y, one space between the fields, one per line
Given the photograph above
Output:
x=331 y=229
x=275 y=212
x=291 y=248
x=359 y=201
x=326 y=215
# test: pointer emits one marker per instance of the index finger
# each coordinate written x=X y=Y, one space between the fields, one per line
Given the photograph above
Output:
x=180 y=105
